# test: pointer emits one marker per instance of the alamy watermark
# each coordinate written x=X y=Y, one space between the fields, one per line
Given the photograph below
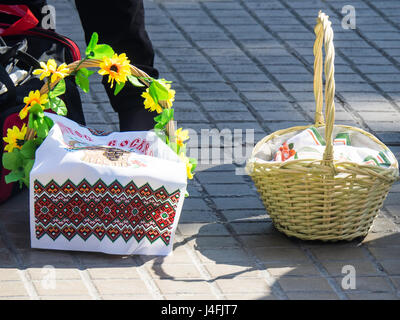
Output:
x=349 y=18
x=48 y=280
x=49 y=18
x=218 y=147
x=349 y=280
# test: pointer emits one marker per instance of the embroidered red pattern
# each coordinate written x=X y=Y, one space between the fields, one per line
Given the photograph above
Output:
x=100 y=210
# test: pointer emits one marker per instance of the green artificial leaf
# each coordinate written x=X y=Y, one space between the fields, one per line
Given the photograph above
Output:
x=24 y=180
x=38 y=141
x=174 y=146
x=58 y=90
x=102 y=50
x=49 y=123
x=12 y=160
x=36 y=111
x=158 y=91
x=163 y=118
x=58 y=106
x=92 y=44
x=39 y=124
x=28 y=149
x=98 y=51
x=82 y=82
x=28 y=167
x=14 y=176
x=193 y=161
x=161 y=134
x=118 y=87
x=182 y=149
x=135 y=81
x=42 y=130
x=82 y=78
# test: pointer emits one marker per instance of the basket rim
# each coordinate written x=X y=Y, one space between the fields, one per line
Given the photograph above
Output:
x=310 y=162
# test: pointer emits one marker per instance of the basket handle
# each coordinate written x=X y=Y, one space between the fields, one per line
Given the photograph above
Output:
x=87 y=63
x=324 y=35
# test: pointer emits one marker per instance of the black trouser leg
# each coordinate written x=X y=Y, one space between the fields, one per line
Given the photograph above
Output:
x=122 y=26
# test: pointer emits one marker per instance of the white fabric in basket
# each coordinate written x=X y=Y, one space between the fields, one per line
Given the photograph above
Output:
x=348 y=146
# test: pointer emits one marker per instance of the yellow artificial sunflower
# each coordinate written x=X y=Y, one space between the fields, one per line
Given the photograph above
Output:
x=116 y=67
x=171 y=95
x=15 y=138
x=188 y=165
x=61 y=72
x=149 y=102
x=33 y=98
x=181 y=136
x=47 y=69
x=51 y=69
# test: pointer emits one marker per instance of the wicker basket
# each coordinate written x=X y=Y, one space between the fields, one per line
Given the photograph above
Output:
x=322 y=199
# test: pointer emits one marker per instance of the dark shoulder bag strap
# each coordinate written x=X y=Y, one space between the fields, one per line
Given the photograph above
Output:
x=11 y=91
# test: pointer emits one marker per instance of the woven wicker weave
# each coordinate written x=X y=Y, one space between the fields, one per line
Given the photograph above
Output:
x=322 y=199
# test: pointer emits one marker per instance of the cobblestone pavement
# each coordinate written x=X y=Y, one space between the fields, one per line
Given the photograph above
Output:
x=244 y=64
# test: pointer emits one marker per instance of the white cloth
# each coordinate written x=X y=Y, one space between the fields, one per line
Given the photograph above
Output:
x=347 y=146
x=86 y=195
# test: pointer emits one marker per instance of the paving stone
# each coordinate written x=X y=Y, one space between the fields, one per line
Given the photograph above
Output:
x=312 y=295
x=369 y=283
x=66 y=297
x=396 y=281
x=267 y=254
x=361 y=267
x=9 y=274
x=40 y=258
x=239 y=215
x=99 y=273
x=268 y=240
x=190 y=297
x=202 y=229
x=12 y=289
x=251 y=296
x=223 y=177
x=391 y=266
x=59 y=273
x=243 y=285
x=121 y=287
x=197 y=216
x=372 y=296
x=89 y=260
x=249 y=228
x=241 y=190
x=179 y=255
x=183 y=286
x=233 y=203
x=338 y=253
x=384 y=253
x=127 y=297
x=228 y=255
x=299 y=284
x=7 y=259
x=61 y=288
x=174 y=271
x=213 y=242
x=231 y=271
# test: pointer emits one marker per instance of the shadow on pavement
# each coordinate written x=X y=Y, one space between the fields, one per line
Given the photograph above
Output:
x=260 y=263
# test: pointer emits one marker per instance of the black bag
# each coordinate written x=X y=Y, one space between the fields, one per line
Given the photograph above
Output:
x=22 y=46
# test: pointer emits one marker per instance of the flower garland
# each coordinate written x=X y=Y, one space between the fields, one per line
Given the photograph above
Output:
x=158 y=96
